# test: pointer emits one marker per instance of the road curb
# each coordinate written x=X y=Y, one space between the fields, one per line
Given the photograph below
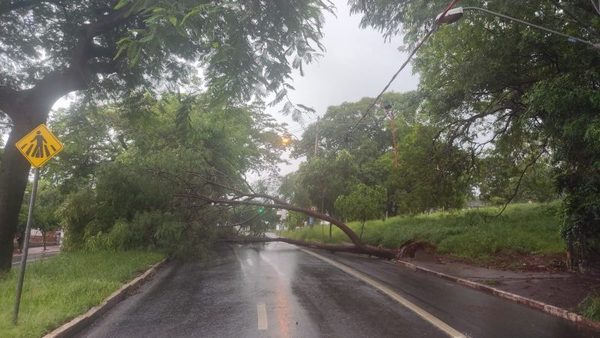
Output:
x=81 y=321
x=550 y=309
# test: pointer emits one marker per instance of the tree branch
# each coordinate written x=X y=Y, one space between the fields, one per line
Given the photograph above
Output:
x=365 y=249
x=95 y=51
x=278 y=204
x=108 y=22
x=77 y=75
x=8 y=98
x=103 y=67
x=9 y=6
x=516 y=191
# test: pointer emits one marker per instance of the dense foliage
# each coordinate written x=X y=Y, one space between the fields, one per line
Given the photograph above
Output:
x=400 y=150
x=489 y=80
x=121 y=182
x=474 y=235
x=109 y=50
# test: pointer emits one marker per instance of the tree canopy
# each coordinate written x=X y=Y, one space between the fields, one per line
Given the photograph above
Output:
x=112 y=50
x=490 y=80
x=128 y=189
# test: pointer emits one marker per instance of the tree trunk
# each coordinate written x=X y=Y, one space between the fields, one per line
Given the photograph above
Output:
x=364 y=249
x=44 y=239
x=279 y=204
x=29 y=109
x=362 y=229
x=14 y=173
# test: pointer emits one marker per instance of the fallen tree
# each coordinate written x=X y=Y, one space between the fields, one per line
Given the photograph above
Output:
x=231 y=196
x=351 y=248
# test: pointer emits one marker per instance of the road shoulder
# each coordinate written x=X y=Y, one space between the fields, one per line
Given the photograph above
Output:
x=80 y=322
x=474 y=278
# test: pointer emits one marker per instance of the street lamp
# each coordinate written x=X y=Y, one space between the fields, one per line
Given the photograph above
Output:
x=456 y=14
x=286 y=139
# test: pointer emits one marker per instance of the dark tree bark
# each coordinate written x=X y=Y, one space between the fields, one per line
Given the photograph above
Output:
x=44 y=239
x=279 y=204
x=28 y=108
x=14 y=171
x=256 y=199
x=364 y=249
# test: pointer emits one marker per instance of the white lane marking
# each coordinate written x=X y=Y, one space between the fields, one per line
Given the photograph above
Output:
x=272 y=264
x=394 y=295
x=261 y=310
x=242 y=267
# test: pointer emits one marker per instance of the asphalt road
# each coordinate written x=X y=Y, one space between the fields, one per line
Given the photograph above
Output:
x=277 y=290
x=36 y=254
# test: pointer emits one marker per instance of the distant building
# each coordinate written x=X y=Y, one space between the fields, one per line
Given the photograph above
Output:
x=36 y=239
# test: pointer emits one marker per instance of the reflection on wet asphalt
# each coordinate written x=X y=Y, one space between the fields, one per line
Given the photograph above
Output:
x=277 y=290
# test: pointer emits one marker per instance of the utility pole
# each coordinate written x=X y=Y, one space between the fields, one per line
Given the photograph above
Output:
x=317 y=137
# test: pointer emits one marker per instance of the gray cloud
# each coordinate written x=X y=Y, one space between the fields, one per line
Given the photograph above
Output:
x=357 y=63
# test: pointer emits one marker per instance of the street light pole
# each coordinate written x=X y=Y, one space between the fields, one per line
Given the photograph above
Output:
x=455 y=14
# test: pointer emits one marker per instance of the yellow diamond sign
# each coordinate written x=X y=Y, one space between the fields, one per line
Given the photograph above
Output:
x=39 y=146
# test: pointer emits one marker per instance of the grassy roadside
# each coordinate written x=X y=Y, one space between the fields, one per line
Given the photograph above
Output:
x=65 y=286
x=475 y=235
x=590 y=307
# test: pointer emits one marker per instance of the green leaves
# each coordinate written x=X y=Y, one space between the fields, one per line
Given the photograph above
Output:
x=130 y=164
x=362 y=203
x=122 y=3
x=242 y=47
x=525 y=88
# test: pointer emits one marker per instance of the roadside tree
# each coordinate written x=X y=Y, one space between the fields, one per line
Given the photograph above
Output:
x=361 y=204
x=486 y=75
x=107 y=48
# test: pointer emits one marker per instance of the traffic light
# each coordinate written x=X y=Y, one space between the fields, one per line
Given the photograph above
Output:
x=261 y=210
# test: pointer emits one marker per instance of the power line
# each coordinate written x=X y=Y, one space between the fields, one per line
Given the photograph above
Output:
x=389 y=83
x=414 y=51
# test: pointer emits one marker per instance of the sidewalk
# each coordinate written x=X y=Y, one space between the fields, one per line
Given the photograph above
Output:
x=562 y=289
x=37 y=253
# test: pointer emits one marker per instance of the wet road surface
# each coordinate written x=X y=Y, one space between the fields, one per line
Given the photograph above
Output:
x=278 y=290
x=36 y=254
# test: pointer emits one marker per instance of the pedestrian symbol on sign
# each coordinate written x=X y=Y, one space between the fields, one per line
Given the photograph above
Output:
x=39 y=146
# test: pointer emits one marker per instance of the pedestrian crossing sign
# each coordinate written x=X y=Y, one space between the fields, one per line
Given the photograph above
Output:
x=39 y=146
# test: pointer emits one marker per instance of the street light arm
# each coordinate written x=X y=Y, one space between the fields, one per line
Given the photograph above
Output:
x=510 y=18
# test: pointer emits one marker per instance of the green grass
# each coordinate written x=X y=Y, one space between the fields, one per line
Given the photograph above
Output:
x=590 y=307
x=474 y=234
x=65 y=286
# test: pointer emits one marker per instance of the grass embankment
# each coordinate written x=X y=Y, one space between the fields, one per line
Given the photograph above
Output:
x=590 y=307
x=65 y=286
x=475 y=234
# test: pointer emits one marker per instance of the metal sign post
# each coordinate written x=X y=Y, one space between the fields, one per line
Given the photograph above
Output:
x=36 y=177
x=38 y=147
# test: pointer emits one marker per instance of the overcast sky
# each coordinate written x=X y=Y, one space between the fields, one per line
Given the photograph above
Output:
x=357 y=63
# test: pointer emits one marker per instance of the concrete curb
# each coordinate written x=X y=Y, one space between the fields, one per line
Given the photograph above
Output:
x=550 y=309
x=78 y=323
